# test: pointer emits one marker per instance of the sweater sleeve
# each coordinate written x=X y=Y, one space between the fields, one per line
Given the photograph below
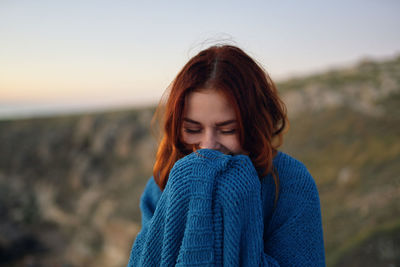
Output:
x=149 y=200
x=293 y=235
x=177 y=226
x=148 y=203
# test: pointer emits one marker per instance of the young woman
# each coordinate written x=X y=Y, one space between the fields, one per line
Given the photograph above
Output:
x=221 y=193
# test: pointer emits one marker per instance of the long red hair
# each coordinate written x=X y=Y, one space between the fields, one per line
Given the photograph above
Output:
x=261 y=115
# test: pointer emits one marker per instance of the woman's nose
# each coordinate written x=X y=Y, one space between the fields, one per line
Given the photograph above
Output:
x=209 y=141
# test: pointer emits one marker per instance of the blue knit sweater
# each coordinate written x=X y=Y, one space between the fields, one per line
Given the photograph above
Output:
x=214 y=211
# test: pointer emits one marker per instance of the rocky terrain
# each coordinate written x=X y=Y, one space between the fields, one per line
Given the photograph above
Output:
x=70 y=185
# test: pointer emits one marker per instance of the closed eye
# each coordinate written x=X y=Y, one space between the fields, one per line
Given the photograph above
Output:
x=192 y=131
x=232 y=131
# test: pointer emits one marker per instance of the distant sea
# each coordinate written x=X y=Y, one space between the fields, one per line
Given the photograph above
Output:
x=34 y=110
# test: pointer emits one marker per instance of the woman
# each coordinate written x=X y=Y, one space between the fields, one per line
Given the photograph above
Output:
x=221 y=192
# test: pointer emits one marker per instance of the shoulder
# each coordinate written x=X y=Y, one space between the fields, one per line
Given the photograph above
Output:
x=288 y=164
x=294 y=178
x=290 y=169
x=152 y=192
x=298 y=193
x=152 y=187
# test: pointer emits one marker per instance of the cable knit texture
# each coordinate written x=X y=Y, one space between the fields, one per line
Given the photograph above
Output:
x=214 y=211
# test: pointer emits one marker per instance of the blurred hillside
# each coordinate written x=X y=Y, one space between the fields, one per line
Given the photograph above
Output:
x=345 y=127
x=70 y=186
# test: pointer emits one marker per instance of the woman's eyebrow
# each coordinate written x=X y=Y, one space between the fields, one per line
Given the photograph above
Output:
x=218 y=124
x=191 y=121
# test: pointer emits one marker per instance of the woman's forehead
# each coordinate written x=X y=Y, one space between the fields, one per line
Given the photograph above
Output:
x=208 y=104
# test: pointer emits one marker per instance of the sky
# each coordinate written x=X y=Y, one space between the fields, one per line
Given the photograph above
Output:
x=69 y=56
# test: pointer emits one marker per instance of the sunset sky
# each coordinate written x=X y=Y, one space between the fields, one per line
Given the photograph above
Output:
x=63 y=56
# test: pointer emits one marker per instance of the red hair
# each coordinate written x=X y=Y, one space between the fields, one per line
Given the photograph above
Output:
x=260 y=113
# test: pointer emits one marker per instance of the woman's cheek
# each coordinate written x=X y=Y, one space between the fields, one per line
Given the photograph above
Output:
x=189 y=139
x=233 y=144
